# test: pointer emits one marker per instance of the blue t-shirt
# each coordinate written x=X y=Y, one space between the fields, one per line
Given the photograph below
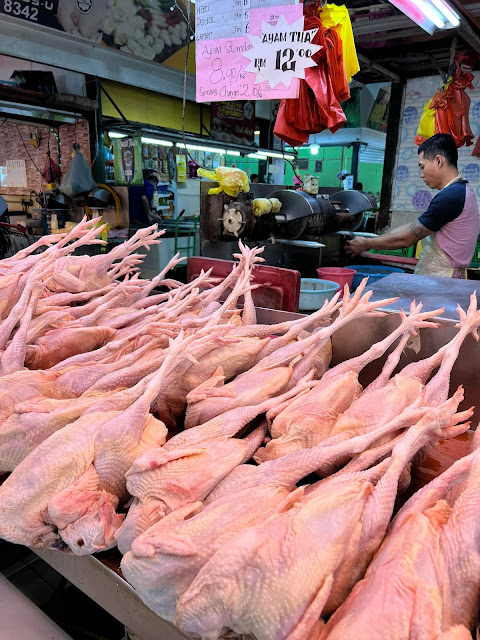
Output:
x=135 y=206
x=454 y=218
x=447 y=205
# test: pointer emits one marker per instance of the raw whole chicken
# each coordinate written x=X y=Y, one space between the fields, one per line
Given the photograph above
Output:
x=426 y=575
x=276 y=580
x=96 y=366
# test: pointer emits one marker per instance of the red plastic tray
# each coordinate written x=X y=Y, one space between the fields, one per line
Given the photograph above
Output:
x=280 y=288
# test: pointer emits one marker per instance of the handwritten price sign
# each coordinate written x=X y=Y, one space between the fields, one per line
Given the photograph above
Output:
x=282 y=52
x=222 y=64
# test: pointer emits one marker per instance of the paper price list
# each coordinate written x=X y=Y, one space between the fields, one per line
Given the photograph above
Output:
x=227 y=18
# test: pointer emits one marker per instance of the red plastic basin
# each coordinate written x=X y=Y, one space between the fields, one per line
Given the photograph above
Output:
x=341 y=275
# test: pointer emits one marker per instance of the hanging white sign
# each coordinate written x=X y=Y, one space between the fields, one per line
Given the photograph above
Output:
x=282 y=52
x=16 y=173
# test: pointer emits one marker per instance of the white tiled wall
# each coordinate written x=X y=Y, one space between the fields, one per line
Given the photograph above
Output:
x=411 y=195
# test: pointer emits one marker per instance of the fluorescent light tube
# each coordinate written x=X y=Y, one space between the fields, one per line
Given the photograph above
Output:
x=197 y=147
x=432 y=14
x=162 y=143
x=116 y=134
x=449 y=14
x=257 y=156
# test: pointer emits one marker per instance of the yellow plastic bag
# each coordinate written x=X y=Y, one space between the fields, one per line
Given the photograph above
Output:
x=230 y=180
x=426 y=126
x=337 y=17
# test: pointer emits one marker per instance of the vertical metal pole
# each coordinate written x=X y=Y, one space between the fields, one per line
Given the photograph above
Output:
x=391 y=149
x=95 y=130
x=355 y=156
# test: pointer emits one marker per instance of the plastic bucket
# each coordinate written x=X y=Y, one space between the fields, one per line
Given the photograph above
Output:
x=341 y=275
x=372 y=272
x=314 y=292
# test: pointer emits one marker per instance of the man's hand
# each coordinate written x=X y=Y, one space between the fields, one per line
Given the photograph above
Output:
x=356 y=246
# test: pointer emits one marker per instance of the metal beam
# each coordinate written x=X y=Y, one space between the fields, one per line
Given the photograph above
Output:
x=390 y=23
x=388 y=73
x=466 y=32
x=391 y=147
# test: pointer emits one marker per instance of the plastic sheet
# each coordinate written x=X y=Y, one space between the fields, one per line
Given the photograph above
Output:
x=78 y=179
x=230 y=180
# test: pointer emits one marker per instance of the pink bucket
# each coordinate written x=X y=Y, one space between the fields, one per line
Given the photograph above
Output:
x=341 y=275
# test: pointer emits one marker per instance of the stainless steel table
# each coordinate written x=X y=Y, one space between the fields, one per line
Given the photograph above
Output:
x=99 y=578
x=433 y=292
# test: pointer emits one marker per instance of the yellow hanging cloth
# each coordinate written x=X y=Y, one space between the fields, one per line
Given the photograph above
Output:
x=337 y=17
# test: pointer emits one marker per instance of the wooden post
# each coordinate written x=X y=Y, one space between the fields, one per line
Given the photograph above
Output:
x=391 y=149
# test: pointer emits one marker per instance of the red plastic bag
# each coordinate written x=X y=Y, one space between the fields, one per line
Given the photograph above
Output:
x=318 y=104
x=287 y=132
x=452 y=108
x=51 y=171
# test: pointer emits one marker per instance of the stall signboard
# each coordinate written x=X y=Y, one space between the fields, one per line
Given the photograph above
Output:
x=147 y=29
x=127 y=153
x=379 y=115
x=233 y=121
x=265 y=52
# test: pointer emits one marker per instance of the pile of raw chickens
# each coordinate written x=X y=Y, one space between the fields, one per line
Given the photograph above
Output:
x=130 y=418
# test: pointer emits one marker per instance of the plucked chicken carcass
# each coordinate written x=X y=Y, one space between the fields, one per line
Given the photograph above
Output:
x=425 y=578
x=149 y=481
x=107 y=442
x=312 y=418
x=276 y=580
x=163 y=481
x=158 y=566
x=82 y=437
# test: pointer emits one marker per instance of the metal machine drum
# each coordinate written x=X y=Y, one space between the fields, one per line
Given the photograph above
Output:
x=355 y=203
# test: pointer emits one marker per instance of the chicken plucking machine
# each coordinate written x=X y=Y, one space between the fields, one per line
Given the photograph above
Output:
x=298 y=230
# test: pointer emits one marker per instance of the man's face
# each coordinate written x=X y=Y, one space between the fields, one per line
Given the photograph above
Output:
x=431 y=170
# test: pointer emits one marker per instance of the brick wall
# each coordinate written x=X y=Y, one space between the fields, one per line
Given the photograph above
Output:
x=411 y=195
x=12 y=148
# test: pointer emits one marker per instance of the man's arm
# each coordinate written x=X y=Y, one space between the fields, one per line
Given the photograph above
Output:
x=399 y=238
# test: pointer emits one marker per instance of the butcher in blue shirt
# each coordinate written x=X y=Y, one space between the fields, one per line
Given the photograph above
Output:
x=450 y=226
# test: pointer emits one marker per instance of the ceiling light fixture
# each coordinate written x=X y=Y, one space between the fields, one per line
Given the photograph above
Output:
x=429 y=14
x=162 y=143
x=272 y=154
x=116 y=134
x=449 y=14
x=197 y=147
x=314 y=149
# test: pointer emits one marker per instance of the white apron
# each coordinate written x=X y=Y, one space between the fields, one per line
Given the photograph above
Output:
x=433 y=261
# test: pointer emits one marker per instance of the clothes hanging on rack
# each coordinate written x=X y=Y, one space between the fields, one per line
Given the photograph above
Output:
x=337 y=18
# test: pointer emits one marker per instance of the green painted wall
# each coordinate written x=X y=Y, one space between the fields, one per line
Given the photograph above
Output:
x=335 y=159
